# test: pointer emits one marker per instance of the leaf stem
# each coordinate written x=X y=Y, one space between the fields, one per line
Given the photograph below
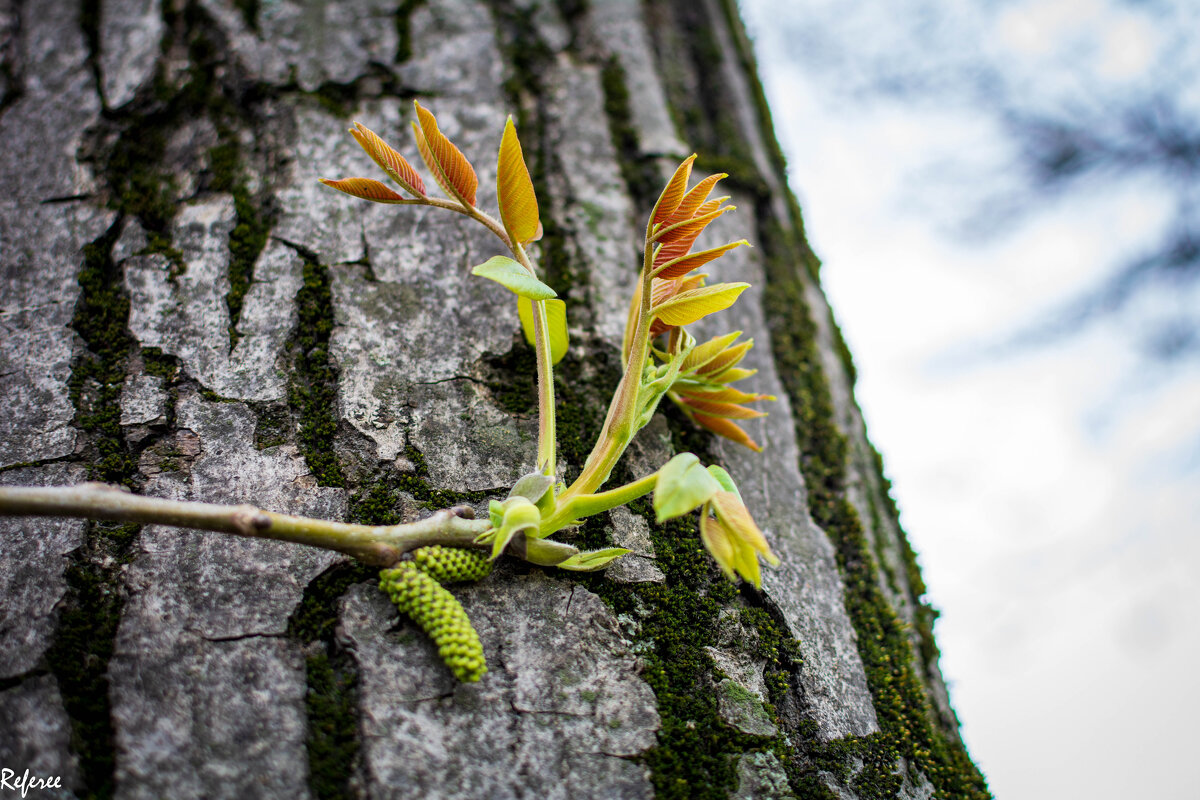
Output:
x=620 y=423
x=547 y=442
x=586 y=505
x=547 y=438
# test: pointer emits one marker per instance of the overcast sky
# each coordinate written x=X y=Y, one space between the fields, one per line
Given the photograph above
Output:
x=1053 y=492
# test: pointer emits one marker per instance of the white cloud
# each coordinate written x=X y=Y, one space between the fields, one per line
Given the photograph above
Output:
x=1048 y=494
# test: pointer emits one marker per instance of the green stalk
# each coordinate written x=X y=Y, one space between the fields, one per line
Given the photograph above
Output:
x=621 y=423
x=547 y=442
x=545 y=373
x=586 y=505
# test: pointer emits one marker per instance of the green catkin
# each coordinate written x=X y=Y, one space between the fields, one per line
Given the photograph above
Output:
x=452 y=564
x=414 y=588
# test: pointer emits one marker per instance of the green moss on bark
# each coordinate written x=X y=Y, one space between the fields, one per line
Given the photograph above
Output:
x=101 y=320
x=901 y=704
x=331 y=701
x=312 y=391
x=249 y=234
x=895 y=681
x=91 y=608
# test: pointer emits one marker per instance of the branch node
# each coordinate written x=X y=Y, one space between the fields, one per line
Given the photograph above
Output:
x=378 y=554
x=248 y=520
x=463 y=512
x=104 y=487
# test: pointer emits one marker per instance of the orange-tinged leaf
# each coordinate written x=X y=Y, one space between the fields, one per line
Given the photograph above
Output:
x=706 y=352
x=726 y=410
x=693 y=199
x=717 y=542
x=726 y=428
x=688 y=230
x=726 y=395
x=514 y=188
x=366 y=188
x=671 y=196
x=682 y=266
x=733 y=375
x=732 y=512
x=682 y=239
x=447 y=163
x=662 y=291
x=676 y=249
x=727 y=358
x=394 y=164
x=689 y=306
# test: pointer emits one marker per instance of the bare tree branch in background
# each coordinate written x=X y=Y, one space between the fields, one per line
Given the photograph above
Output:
x=1087 y=99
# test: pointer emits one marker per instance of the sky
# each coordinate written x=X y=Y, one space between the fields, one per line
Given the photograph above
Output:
x=1052 y=491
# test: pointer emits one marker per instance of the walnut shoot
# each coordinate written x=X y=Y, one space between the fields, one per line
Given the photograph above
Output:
x=660 y=359
x=669 y=297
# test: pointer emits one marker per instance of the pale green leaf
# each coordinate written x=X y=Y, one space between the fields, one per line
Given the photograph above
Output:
x=495 y=513
x=593 y=560
x=520 y=515
x=543 y=552
x=556 y=317
x=682 y=486
x=694 y=304
x=533 y=487
x=724 y=479
x=512 y=276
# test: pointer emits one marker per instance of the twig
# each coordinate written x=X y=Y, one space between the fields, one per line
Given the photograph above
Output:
x=378 y=545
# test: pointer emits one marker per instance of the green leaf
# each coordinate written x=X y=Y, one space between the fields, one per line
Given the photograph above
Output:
x=694 y=304
x=593 y=560
x=724 y=479
x=682 y=486
x=532 y=487
x=543 y=552
x=519 y=515
x=556 y=317
x=512 y=276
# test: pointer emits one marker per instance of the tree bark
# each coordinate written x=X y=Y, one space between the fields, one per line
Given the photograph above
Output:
x=188 y=312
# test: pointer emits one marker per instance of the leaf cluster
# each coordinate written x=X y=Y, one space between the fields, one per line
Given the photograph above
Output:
x=660 y=358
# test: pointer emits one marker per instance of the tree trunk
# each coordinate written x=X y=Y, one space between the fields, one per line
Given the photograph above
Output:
x=188 y=312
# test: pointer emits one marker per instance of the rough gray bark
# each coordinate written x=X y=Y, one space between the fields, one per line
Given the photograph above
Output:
x=149 y=146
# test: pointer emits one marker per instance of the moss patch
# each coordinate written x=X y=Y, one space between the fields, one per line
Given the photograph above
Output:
x=641 y=174
x=101 y=320
x=900 y=700
x=404 y=14
x=83 y=645
x=312 y=391
x=378 y=500
x=331 y=702
x=249 y=9
x=91 y=608
x=273 y=426
x=249 y=234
